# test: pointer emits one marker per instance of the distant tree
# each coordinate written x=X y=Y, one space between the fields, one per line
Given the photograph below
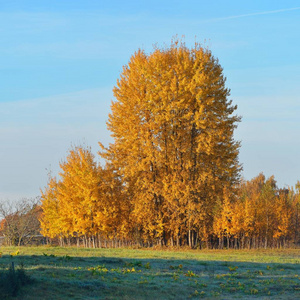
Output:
x=283 y=211
x=223 y=222
x=50 y=217
x=20 y=223
x=296 y=214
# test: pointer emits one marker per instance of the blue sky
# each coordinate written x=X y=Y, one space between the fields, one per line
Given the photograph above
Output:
x=59 y=61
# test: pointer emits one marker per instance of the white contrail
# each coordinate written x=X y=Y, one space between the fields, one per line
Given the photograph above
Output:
x=256 y=14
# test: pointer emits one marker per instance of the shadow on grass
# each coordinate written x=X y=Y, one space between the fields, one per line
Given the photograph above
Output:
x=75 y=277
x=12 y=281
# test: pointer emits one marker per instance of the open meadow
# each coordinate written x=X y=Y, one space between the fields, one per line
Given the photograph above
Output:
x=77 y=273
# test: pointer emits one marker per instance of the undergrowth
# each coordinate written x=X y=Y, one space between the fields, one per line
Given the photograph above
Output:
x=12 y=280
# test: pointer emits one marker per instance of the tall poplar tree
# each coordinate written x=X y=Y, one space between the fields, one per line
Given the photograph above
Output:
x=173 y=125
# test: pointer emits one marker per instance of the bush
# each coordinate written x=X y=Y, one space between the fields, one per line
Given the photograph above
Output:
x=12 y=280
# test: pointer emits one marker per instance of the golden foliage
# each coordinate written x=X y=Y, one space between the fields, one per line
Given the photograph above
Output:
x=172 y=173
x=173 y=128
x=86 y=201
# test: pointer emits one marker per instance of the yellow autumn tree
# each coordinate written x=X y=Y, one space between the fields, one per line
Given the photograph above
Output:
x=173 y=124
x=225 y=222
x=50 y=225
x=113 y=210
x=87 y=202
x=262 y=214
x=284 y=212
x=79 y=193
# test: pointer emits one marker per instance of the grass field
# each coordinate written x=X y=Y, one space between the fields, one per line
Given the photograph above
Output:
x=76 y=273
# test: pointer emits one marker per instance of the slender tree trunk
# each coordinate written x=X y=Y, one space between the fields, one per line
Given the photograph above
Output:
x=227 y=237
x=192 y=239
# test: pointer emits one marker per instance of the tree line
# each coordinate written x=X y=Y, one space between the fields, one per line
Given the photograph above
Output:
x=90 y=207
x=172 y=175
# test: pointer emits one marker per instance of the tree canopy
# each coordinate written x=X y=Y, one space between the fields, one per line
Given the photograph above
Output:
x=173 y=124
x=172 y=175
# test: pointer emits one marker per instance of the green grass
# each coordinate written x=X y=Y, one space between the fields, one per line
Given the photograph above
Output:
x=76 y=273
